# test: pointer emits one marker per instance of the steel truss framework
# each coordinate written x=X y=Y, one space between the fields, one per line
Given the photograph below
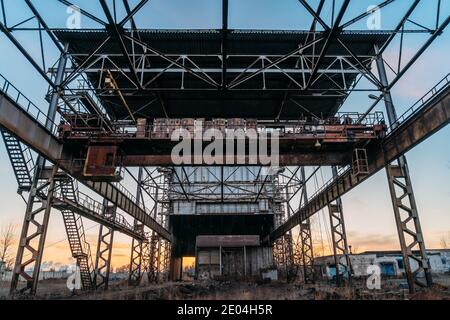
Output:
x=222 y=185
x=32 y=239
x=305 y=239
x=339 y=238
x=291 y=255
x=404 y=205
x=68 y=84
x=309 y=67
x=104 y=251
x=151 y=255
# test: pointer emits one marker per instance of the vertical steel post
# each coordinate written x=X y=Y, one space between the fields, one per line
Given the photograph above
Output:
x=403 y=200
x=307 y=255
x=339 y=235
x=151 y=247
x=104 y=250
x=137 y=246
x=224 y=43
x=39 y=200
x=289 y=249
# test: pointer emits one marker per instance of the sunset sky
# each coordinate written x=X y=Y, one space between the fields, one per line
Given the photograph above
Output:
x=368 y=210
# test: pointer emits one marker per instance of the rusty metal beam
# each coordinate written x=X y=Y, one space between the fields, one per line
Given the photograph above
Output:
x=302 y=158
x=410 y=133
x=18 y=122
x=21 y=124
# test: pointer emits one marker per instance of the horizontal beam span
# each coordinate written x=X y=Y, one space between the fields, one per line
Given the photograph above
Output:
x=428 y=120
x=218 y=70
x=303 y=158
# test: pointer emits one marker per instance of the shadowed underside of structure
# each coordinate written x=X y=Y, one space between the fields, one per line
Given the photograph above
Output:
x=261 y=67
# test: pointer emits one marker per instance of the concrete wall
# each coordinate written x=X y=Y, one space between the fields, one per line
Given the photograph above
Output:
x=234 y=263
x=208 y=263
x=259 y=258
x=439 y=262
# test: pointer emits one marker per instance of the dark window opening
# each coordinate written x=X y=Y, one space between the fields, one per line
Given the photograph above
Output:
x=109 y=159
x=400 y=263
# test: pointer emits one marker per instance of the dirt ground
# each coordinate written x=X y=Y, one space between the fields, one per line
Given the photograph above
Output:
x=392 y=289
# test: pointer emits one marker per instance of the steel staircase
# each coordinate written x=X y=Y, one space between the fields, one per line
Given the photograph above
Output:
x=21 y=160
x=75 y=234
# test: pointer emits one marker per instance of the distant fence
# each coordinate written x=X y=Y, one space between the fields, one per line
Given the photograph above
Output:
x=43 y=275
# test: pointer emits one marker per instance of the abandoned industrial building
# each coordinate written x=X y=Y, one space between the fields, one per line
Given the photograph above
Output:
x=120 y=96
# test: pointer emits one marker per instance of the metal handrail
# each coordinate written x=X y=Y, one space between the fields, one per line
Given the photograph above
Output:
x=419 y=104
x=262 y=127
x=95 y=206
x=79 y=163
x=27 y=105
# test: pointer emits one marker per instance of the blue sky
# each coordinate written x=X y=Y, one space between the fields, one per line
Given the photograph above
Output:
x=368 y=210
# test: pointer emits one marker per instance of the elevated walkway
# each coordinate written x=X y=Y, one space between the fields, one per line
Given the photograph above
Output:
x=426 y=117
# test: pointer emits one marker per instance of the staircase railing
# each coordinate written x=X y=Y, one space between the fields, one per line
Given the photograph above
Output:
x=85 y=243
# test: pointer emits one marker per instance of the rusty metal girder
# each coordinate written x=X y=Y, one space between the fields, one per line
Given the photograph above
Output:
x=20 y=123
x=417 y=128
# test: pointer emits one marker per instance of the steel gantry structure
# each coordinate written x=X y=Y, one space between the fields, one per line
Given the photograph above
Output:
x=119 y=89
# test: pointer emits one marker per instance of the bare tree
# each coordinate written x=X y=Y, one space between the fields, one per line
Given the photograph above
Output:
x=123 y=269
x=7 y=239
x=355 y=250
x=444 y=244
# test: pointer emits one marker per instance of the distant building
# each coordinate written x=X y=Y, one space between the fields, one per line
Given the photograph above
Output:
x=390 y=262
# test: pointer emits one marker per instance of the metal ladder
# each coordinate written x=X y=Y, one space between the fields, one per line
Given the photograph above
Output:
x=21 y=160
x=75 y=234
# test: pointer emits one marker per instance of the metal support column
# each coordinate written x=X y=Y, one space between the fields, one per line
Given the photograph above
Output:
x=339 y=236
x=153 y=257
x=104 y=250
x=145 y=260
x=137 y=246
x=289 y=244
x=34 y=228
x=153 y=249
x=137 y=256
x=167 y=258
x=404 y=202
x=32 y=239
x=307 y=255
